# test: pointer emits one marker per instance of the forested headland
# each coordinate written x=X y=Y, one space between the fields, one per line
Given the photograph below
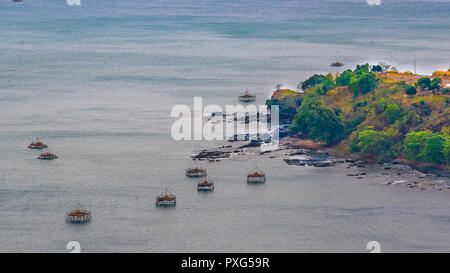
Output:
x=374 y=111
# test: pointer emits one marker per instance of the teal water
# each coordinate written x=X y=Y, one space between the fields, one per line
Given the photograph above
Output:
x=97 y=83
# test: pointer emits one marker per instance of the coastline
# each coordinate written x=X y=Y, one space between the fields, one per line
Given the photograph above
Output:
x=390 y=120
x=305 y=153
x=424 y=167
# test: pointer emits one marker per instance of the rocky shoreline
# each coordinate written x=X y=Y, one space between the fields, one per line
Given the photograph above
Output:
x=412 y=175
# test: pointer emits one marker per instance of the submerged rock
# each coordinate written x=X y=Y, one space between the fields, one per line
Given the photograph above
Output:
x=311 y=158
x=212 y=155
x=426 y=168
x=309 y=162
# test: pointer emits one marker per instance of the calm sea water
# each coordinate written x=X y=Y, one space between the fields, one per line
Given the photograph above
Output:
x=97 y=83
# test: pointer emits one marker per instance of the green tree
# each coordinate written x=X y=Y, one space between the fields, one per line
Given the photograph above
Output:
x=434 y=149
x=436 y=84
x=423 y=83
x=353 y=143
x=313 y=81
x=394 y=113
x=447 y=150
x=414 y=144
x=361 y=80
x=319 y=124
x=328 y=84
x=410 y=90
x=362 y=68
x=377 y=68
x=344 y=78
x=374 y=143
x=317 y=121
x=363 y=83
x=380 y=105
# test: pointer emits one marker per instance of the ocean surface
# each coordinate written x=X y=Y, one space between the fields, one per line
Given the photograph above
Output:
x=97 y=83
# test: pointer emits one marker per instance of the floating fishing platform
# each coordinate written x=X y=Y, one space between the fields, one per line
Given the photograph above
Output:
x=47 y=156
x=247 y=97
x=78 y=215
x=205 y=185
x=37 y=145
x=195 y=172
x=256 y=177
x=166 y=199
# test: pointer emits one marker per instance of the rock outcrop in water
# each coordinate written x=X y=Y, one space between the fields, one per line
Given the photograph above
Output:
x=311 y=158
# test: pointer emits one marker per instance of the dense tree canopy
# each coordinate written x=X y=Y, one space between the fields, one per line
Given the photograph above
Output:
x=414 y=144
x=377 y=68
x=361 y=80
x=436 y=84
x=423 y=83
x=434 y=149
x=374 y=143
x=362 y=68
x=410 y=90
x=393 y=113
x=363 y=83
x=317 y=121
x=344 y=78
x=427 y=146
x=313 y=81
